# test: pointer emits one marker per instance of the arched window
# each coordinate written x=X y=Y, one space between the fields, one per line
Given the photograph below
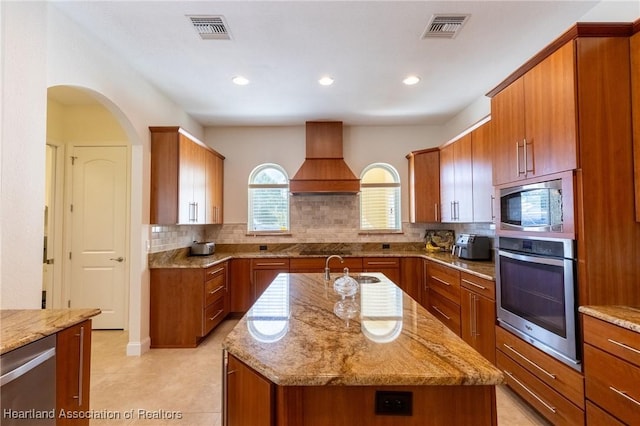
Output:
x=268 y=199
x=380 y=198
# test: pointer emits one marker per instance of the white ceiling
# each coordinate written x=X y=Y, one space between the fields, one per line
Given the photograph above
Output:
x=284 y=47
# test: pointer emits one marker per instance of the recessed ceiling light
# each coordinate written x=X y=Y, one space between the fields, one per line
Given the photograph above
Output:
x=326 y=81
x=240 y=80
x=411 y=80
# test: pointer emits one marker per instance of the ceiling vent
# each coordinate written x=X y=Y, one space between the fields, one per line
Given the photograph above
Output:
x=210 y=27
x=445 y=26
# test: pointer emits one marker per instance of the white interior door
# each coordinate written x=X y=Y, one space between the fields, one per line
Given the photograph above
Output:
x=98 y=236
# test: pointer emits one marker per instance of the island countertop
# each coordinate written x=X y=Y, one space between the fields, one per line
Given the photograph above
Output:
x=293 y=337
x=23 y=326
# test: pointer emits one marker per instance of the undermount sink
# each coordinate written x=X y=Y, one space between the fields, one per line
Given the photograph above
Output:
x=366 y=279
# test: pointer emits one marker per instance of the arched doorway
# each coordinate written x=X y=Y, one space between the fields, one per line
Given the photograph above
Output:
x=87 y=224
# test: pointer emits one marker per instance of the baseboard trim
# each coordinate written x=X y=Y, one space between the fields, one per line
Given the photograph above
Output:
x=138 y=348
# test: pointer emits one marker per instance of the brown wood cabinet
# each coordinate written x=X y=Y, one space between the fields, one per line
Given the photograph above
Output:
x=317 y=264
x=482 y=174
x=424 y=185
x=553 y=388
x=186 y=304
x=534 y=121
x=73 y=372
x=612 y=370
x=389 y=266
x=250 y=398
x=456 y=198
x=240 y=290
x=635 y=109
x=186 y=179
x=478 y=314
x=412 y=277
x=264 y=271
x=443 y=283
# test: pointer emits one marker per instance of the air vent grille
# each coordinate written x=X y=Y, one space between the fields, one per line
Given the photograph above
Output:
x=210 y=27
x=445 y=26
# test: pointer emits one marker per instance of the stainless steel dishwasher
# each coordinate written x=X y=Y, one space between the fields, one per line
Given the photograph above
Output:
x=28 y=384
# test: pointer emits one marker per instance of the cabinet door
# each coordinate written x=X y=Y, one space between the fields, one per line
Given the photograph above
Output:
x=214 y=183
x=250 y=397
x=219 y=191
x=463 y=179
x=240 y=290
x=478 y=323
x=481 y=164
x=550 y=114
x=447 y=183
x=264 y=271
x=73 y=369
x=507 y=116
x=187 y=164
x=412 y=277
x=424 y=182
x=635 y=110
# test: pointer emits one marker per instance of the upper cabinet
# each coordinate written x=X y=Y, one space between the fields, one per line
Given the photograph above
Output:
x=186 y=179
x=635 y=108
x=424 y=186
x=482 y=174
x=534 y=121
x=455 y=181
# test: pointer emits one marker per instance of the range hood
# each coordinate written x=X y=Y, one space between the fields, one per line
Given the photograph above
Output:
x=324 y=170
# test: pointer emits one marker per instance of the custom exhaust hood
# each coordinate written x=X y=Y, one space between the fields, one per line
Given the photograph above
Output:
x=324 y=170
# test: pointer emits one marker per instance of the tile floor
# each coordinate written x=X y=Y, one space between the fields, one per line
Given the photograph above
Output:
x=186 y=383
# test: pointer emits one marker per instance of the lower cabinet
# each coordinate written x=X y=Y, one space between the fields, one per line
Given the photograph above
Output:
x=444 y=294
x=73 y=370
x=389 y=266
x=612 y=373
x=249 y=397
x=186 y=304
x=412 y=277
x=264 y=271
x=478 y=314
x=554 y=389
x=240 y=291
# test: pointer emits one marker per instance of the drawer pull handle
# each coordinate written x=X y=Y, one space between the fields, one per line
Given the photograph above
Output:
x=381 y=263
x=440 y=281
x=216 y=271
x=553 y=376
x=441 y=313
x=474 y=284
x=624 y=346
x=540 y=400
x=624 y=395
x=214 y=291
x=216 y=315
x=270 y=264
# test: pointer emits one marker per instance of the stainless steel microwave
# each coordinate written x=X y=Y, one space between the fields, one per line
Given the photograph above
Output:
x=533 y=207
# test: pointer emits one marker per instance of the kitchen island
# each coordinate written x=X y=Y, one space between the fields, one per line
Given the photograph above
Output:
x=291 y=360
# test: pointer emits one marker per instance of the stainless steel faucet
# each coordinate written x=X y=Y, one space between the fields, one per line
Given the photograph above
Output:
x=327 y=271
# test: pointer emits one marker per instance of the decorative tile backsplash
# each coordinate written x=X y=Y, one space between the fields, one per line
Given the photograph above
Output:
x=313 y=219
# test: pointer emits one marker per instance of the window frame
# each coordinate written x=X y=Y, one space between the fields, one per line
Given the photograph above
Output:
x=397 y=195
x=250 y=198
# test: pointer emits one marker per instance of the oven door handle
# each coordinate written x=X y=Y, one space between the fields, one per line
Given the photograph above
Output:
x=532 y=259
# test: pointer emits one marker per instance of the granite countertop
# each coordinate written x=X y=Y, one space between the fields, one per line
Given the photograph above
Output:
x=180 y=258
x=624 y=316
x=22 y=326
x=292 y=336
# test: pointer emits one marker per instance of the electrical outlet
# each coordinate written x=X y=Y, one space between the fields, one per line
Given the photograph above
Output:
x=390 y=403
x=262 y=248
x=385 y=246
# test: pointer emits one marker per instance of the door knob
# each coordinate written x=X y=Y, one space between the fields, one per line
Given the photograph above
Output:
x=118 y=259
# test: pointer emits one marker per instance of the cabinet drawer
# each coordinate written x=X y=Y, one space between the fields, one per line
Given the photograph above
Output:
x=543 y=398
x=444 y=281
x=484 y=287
x=373 y=263
x=279 y=263
x=215 y=271
x=555 y=374
x=612 y=384
x=445 y=311
x=317 y=264
x=213 y=315
x=613 y=339
x=214 y=289
x=596 y=416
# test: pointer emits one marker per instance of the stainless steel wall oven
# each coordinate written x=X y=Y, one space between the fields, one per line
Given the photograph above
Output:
x=536 y=294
